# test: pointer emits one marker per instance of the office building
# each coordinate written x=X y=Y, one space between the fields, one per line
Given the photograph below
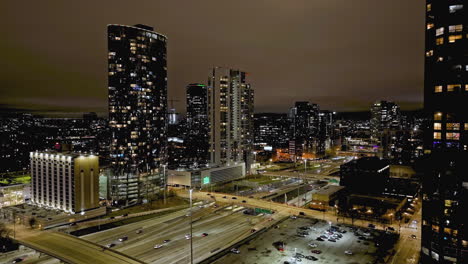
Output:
x=384 y=116
x=197 y=140
x=230 y=111
x=271 y=130
x=65 y=181
x=445 y=179
x=137 y=111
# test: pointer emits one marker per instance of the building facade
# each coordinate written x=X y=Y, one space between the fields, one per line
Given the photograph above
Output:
x=137 y=111
x=230 y=115
x=384 y=115
x=271 y=130
x=197 y=142
x=445 y=178
x=65 y=181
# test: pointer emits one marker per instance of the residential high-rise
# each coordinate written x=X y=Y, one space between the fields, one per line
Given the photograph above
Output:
x=197 y=143
x=137 y=111
x=304 y=128
x=230 y=111
x=445 y=180
x=65 y=181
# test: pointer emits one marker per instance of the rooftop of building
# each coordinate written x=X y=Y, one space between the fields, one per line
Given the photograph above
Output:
x=368 y=163
x=329 y=189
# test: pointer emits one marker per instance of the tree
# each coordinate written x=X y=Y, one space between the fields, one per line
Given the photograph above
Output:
x=32 y=222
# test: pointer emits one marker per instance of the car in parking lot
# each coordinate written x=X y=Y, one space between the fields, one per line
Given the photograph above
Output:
x=348 y=252
x=122 y=239
x=316 y=251
x=312 y=245
x=319 y=239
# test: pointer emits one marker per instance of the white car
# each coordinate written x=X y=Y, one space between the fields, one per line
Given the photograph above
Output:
x=348 y=252
x=187 y=236
x=235 y=250
x=312 y=245
x=158 y=246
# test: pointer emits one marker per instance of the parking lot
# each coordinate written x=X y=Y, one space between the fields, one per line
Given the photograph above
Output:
x=351 y=246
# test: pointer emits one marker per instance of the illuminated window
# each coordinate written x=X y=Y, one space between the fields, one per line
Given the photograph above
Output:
x=437 y=126
x=455 y=8
x=466 y=126
x=454 y=38
x=466 y=87
x=439 y=31
x=452 y=136
x=428 y=7
x=437 y=135
x=429 y=25
x=429 y=53
x=453 y=126
x=451 y=87
x=455 y=28
x=439 y=41
x=438 y=88
x=438 y=116
x=439 y=59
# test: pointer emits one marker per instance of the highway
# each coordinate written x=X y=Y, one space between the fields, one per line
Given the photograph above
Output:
x=70 y=249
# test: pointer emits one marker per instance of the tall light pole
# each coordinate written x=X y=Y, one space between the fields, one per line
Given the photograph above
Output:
x=191 y=229
x=164 y=178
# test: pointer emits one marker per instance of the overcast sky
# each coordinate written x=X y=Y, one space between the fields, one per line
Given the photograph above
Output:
x=341 y=54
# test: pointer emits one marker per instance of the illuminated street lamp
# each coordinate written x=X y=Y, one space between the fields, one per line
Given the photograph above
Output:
x=191 y=229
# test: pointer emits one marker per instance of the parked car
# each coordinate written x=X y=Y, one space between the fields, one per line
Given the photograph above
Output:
x=348 y=252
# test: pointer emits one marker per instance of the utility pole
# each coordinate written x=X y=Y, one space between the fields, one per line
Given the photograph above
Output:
x=164 y=178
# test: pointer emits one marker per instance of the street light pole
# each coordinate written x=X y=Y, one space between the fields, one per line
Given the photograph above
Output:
x=191 y=229
x=164 y=178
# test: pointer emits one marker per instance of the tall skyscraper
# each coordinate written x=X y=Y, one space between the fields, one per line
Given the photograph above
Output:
x=305 y=127
x=230 y=111
x=384 y=115
x=137 y=110
x=197 y=142
x=445 y=179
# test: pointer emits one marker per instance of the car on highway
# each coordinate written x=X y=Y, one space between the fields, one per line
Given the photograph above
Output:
x=413 y=236
x=224 y=197
x=235 y=250
x=111 y=245
x=17 y=260
x=158 y=246
x=371 y=225
x=166 y=241
x=139 y=231
x=391 y=228
x=188 y=236
x=122 y=239
x=293 y=217
x=301 y=213
x=348 y=252
x=125 y=215
x=235 y=198
x=208 y=194
x=253 y=230
x=73 y=224
x=244 y=201
x=204 y=234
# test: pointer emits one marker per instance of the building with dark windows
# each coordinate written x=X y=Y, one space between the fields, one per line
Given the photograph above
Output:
x=230 y=115
x=137 y=111
x=366 y=175
x=445 y=178
x=271 y=130
x=197 y=138
x=384 y=116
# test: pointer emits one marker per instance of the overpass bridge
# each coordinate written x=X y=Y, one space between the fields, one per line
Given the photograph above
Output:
x=70 y=249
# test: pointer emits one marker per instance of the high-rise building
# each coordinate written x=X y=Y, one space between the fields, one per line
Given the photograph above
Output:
x=271 y=130
x=230 y=111
x=65 y=181
x=197 y=143
x=445 y=179
x=384 y=115
x=137 y=111
x=305 y=126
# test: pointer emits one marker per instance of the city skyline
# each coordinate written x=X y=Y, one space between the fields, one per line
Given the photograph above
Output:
x=67 y=76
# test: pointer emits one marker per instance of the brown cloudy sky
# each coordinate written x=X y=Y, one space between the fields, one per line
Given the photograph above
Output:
x=341 y=54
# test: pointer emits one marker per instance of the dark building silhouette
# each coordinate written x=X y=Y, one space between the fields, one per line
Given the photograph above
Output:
x=137 y=110
x=197 y=139
x=366 y=175
x=445 y=180
x=271 y=129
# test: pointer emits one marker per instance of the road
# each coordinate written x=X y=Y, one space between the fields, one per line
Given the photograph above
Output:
x=69 y=248
x=406 y=249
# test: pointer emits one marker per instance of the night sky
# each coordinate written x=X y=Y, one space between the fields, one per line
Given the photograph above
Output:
x=341 y=54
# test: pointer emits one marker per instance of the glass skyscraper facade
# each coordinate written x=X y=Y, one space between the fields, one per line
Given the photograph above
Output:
x=137 y=111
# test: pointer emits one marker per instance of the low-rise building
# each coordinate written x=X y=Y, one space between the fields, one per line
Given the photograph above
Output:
x=325 y=197
x=199 y=178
